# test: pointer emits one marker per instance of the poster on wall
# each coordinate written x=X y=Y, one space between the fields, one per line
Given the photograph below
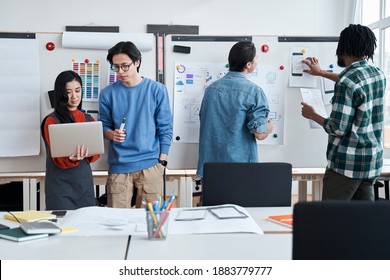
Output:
x=90 y=76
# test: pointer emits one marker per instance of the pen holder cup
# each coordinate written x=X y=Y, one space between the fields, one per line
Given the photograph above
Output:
x=157 y=223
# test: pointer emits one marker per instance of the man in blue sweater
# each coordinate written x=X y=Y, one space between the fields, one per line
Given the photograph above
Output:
x=138 y=153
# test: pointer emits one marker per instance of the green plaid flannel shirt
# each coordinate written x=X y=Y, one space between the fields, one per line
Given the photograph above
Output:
x=355 y=126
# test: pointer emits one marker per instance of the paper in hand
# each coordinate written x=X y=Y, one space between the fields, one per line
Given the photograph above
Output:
x=313 y=98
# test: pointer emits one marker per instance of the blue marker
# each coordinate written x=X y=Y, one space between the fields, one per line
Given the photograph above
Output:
x=163 y=206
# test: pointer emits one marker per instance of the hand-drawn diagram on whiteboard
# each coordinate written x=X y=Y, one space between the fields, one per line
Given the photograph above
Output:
x=191 y=81
x=272 y=80
x=90 y=76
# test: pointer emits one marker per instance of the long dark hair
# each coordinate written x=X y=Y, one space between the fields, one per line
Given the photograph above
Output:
x=61 y=95
x=357 y=40
x=240 y=54
x=127 y=48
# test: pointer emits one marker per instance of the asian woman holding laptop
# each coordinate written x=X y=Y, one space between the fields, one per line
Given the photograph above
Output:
x=69 y=181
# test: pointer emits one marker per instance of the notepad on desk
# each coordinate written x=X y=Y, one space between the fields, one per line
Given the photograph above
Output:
x=285 y=220
x=28 y=216
x=17 y=234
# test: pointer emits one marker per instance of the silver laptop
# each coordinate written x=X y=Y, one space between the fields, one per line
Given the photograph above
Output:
x=64 y=138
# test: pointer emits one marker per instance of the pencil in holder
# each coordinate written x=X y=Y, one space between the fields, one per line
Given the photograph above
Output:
x=157 y=223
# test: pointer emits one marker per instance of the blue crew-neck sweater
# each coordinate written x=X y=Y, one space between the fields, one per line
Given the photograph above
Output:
x=148 y=124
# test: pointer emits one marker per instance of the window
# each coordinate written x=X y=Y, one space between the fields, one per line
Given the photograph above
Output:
x=387 y=8
x=370 y=11
x=386 y=69
x=376 y=15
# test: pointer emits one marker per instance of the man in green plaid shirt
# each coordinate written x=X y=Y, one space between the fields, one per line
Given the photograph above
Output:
x=355 y=125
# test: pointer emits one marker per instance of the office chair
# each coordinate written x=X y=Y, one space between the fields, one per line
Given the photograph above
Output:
x=335 y=230
x=255 y=184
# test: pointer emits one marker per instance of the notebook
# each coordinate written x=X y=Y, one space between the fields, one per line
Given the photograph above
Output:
x=17 y=234
x=28 y=216
x=286 y=220
x=39 y=227
x=65 y=137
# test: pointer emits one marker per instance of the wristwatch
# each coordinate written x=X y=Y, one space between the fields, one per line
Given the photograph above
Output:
x=163 y=162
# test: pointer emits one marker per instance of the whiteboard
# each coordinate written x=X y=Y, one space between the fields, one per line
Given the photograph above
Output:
x=301 y=146
x=51 y=63
x=19 y=88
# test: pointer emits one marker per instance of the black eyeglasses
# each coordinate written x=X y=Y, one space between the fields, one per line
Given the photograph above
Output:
x=124 y=67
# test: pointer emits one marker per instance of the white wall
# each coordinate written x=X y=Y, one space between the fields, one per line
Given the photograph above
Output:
x=214 y=17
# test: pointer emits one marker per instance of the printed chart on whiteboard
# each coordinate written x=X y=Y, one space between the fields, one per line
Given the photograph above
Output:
x=112 y=76
x=191 y=81
x=90 y=76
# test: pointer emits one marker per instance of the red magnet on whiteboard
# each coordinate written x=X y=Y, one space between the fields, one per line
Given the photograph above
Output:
x=50 y=46
x=86 y=60
x=281 y=67
x=264 y=48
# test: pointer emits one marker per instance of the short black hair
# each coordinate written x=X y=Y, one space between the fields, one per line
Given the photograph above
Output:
x=357 y=40
x=240 y=54
x=127 y=48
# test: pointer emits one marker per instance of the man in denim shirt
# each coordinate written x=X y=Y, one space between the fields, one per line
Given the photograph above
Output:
x=234 y=113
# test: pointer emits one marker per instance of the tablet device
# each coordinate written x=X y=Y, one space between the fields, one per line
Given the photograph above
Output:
x=65 y=137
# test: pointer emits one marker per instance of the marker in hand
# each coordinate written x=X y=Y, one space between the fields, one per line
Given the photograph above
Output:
x=122 y=124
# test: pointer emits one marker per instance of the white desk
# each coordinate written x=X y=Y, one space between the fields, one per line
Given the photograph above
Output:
x=185 y=183
x=213 y=247
x=66 y=248
x=100 y=178
x=184 y=178
x=189 y=246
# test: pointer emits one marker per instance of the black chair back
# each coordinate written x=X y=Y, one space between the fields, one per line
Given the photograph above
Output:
x=259 y=184
x=334 y=230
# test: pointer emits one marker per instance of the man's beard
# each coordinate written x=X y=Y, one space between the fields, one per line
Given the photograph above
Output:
x=340 y=62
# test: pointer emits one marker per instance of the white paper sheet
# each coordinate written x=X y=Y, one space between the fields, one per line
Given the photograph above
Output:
x=313 y=98
x=297 y=77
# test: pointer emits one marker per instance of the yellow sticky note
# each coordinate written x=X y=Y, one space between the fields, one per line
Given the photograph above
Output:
x=68 y=230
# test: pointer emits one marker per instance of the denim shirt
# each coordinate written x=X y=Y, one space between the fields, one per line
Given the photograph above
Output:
x=233 y=108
